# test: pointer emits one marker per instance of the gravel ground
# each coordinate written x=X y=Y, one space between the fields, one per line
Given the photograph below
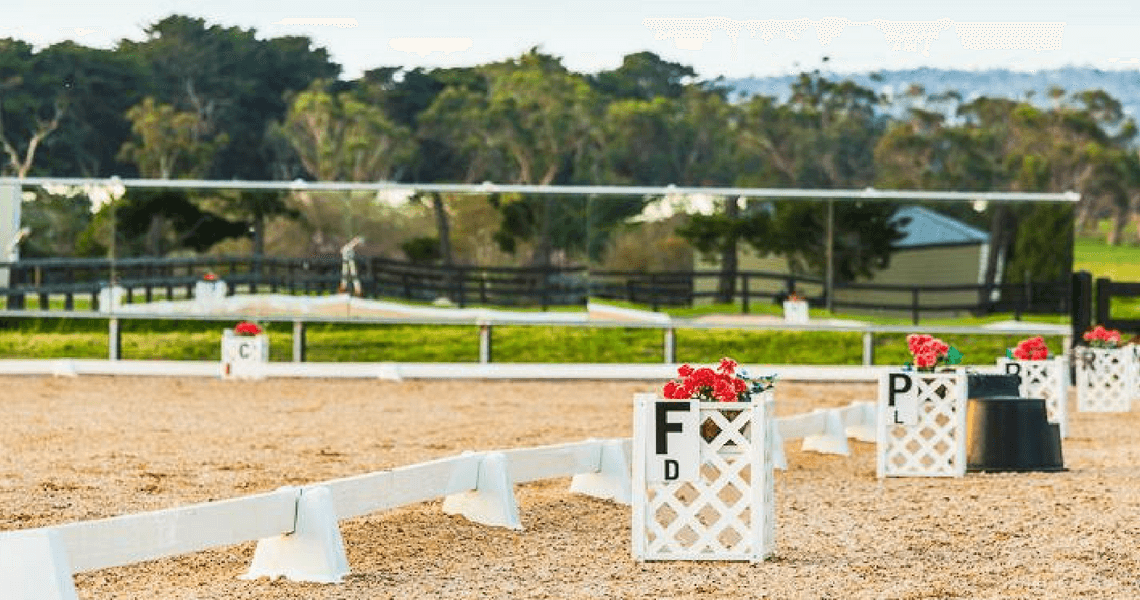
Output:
x=93 y=447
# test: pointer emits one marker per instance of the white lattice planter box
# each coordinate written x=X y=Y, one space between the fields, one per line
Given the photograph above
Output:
x=1105 y=379
x=922 y=424
x=210 y=292
x=796 y=311
x=727 y=510
x=244 y=356
x=1047 y=380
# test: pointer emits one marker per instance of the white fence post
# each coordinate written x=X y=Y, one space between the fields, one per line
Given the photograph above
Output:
x=922 y=424
x=34 y=566
x=722 y=514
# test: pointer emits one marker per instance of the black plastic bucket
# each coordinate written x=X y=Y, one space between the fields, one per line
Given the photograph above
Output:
x=992 y=385
x=1007 y=433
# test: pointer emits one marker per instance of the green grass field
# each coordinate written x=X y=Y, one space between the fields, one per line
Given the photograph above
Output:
x=192 y=340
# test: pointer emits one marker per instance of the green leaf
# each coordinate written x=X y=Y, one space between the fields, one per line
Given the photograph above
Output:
x=1009 y=353
x=953 y=356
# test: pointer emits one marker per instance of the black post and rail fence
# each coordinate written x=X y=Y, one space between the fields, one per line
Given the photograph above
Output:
x=63 y=284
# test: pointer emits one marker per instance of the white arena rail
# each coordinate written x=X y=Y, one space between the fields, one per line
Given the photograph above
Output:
x=298 y=527
x=397 y=371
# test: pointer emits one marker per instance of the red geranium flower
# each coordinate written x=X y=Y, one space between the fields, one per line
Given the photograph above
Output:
x=720 y=385
x=247 y=328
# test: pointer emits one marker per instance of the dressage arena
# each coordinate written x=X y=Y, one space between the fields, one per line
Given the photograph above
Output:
x=90 y=447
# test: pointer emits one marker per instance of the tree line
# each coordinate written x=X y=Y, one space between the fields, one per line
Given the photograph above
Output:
x=195 y=100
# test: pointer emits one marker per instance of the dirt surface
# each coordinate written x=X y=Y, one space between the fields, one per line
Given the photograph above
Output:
x=92 y=447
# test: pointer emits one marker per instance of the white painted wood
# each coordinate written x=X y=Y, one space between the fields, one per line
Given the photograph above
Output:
x=384 y=490
x=547 y=462
x=313 y=552
x=492 y=502
x=936 y=445
x=34 y=566
x=146 y=536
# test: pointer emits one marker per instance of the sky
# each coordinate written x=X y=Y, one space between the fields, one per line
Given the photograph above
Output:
x=592 y=35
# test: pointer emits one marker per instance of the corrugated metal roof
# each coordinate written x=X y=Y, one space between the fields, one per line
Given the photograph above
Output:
x=928 y=228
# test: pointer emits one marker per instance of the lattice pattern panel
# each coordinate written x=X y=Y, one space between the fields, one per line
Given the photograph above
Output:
x=936 y=445
x=1047 y=380
x=729 y=512
x=1105 y=379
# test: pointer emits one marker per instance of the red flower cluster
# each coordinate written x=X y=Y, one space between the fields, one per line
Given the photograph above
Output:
x=247 y=328
x=1099 y=337
x=926 y=350
x=210 y=277
x=1033 y=348
x=709 y=385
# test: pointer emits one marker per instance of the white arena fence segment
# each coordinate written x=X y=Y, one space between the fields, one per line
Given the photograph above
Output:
x=297 y=527
x=398 y=371
x=293 y=524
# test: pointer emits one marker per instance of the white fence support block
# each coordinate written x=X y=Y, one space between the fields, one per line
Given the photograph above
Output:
x=833 y=440
x=861 y=421
x=492 y=502
x=779 y=459
x=612 y=479
x=34 y=566
x=313 y=552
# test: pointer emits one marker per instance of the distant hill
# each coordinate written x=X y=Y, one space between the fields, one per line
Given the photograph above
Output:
x=994 y=83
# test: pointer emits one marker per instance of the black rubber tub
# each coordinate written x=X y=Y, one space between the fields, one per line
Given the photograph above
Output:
x=992 y=385
x=1007 y=433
